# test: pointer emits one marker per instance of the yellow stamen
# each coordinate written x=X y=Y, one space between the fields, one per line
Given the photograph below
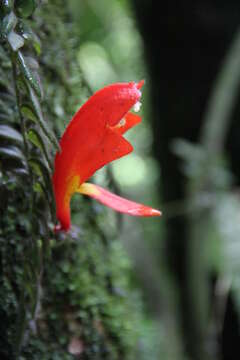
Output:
x=87 y=189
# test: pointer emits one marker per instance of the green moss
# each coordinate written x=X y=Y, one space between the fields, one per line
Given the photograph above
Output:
x=71 y=292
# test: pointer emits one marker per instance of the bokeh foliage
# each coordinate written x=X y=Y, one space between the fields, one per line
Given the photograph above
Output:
x=194 y=69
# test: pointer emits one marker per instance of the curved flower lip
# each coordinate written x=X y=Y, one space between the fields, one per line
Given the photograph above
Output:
x=116 y=202
x=93 y=139
x=108 y=105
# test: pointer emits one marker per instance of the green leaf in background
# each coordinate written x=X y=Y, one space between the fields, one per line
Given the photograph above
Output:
x=15 y=41
x=31 y=38
x=20 y=172
x=42 y=123
x=10 y=134
x=29 y=113
x=38 y=141
x=7 y=5
x=41 y=170
x=35 y=139
x=38 y=187
x=12 y=152
x=8 y=24
x=29 y=74
x=25 y=8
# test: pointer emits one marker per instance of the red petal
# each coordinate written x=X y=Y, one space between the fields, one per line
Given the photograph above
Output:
x=140 y=84
x=88 y=143
x=127 y=123
x=70 y=176
x=88 y=128
x=116 y=202
x=106 y=107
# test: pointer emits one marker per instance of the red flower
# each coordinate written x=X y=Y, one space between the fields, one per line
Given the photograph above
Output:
x=92 y=139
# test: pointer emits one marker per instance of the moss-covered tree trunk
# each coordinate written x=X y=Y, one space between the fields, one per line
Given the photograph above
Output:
x=64 y=296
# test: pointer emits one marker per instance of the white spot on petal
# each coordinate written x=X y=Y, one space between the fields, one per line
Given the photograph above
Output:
x=137 y=106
